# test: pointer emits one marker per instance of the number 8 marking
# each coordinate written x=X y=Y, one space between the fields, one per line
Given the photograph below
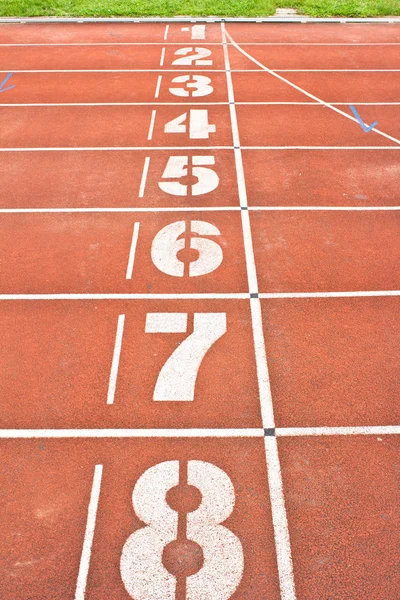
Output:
x=142 y=570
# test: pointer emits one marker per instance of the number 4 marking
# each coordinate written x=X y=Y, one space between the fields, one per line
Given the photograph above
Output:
x=177 y=378
x=199 y=127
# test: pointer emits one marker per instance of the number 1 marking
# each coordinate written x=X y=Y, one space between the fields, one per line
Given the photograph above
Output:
x=198 y=31
x=177 y=378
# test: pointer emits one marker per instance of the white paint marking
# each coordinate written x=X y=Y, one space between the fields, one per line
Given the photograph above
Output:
x=144 y=176
x=166 y=32
x=115 y=148
x=279 y=519
x=320 y=147
x=315 y=431
x=152 y=121
x=55 y=104
x=281 y=532
x=247 y=238
x=366 y=294
x=205 y=296
x=129 y=433
x=303 y=91
x=89 y=534
x=132 y=252
x=162 y=57
x=167 y=209
x=157 y=92
x=115 y=361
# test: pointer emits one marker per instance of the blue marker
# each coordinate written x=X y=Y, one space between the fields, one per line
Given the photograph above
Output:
x=364 y=127
x=4 y=82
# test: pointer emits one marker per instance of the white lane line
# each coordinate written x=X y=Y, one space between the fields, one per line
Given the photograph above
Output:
x=166 y=32
x=57 y=104
x=157 y=92
x=334 y=208
x=182 y=71
x=151 y=127
x=354 y=102
x=112 y=384
x=129 y=433
x=243 y=43
x=201 y=296
x=144 y=176
x=281 y=533
x=246 y=230
x=115 y=148
x=162 y=57
x=316 y=431
x=267 y=409
x=320 y=147
x=303 y=91
x=193 y=433
x=203 y=148
x=132 y=252
x=366 y=294
x=279 y=519
x=120 y=210
x=89 y=534
x=205 y=296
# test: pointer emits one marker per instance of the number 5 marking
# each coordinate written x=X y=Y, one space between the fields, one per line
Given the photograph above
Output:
x=177 y=167
x=142 y=570
x=177 y=378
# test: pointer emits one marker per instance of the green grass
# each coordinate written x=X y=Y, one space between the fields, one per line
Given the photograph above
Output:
x=198 y=8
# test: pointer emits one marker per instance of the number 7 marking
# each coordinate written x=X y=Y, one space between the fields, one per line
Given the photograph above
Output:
x=177 y=378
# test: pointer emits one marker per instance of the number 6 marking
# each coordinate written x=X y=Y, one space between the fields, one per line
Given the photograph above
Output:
x=177 y=378
x=142 y=570
x=166 y=245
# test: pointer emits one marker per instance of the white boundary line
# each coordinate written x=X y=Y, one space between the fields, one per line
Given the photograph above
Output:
x=279 y=518
x=189 y=148
x=129 y=433
x=89 y=534
x=303 y=91
x=298 y=19
x=158 y=86
x=123 y=296
x=166 y=32
x=318 y=431
x=132 y=252
x=191 y=72
x=115 y=361
x=144 y=176
x=57 y=104
x=243 y=43
x=157 y=209
x=162 y=58
x=151 y=127
x=200 y=296
x=127 y=209
x=26 y=434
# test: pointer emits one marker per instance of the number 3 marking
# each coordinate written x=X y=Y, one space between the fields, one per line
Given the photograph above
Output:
x=177 y=378
x=199 y=83
x=142 y=570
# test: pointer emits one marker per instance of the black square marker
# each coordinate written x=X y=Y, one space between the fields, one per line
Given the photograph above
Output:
x=269 y=432
x=253 y=295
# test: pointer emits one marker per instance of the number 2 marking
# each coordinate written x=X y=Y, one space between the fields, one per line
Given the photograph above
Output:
x=142 y=570
x=177 y=378
x=199 y=127
x=192 y=59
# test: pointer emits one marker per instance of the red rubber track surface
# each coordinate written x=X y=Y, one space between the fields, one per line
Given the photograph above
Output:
x=199 y=300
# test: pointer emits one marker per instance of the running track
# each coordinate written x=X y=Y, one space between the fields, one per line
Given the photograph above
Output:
x=199 y=308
